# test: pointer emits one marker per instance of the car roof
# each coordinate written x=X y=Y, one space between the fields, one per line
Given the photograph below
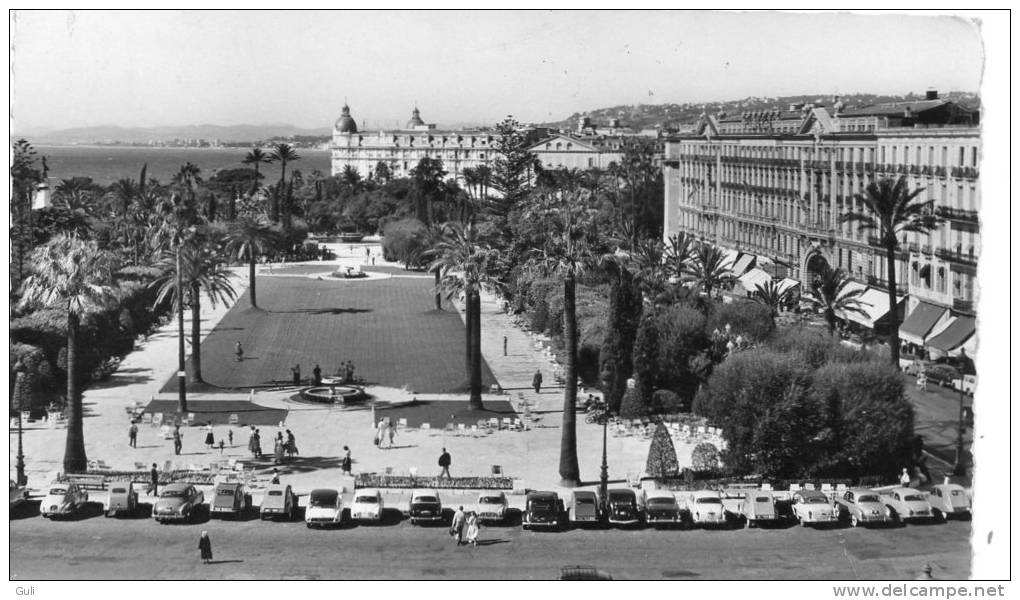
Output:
x=661 y=494
x=858 y=491
x=809 y=493
x=585 y=493
x=949 y=486
x=176 y=486
x=324 y=492
x=225 y=485
x=903 y=490
x=756 y=493
x=277 y=486
x=543 y=495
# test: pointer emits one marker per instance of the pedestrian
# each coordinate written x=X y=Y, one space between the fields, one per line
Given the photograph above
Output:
x=317 y=375
x=472 y=529
x=296 y=371
x=457 y=525
x=536 y=382
x=380 y=432
x=504 y=345
x=345 y=464
x=373 y=261
x=350 y=372
x=291 y=444
x=153 y=482
x=444 y=462
x=392 y=432
x=368 y=251
x=210 y=441
x=257 y=444
x=206 y=547
x=925 y=573
x=276 y=477
x=230 y=437
x=278 y=451
x=905 y=478
x=239 y=351
x=133 y=435
x=222 y=445
x=178 y=442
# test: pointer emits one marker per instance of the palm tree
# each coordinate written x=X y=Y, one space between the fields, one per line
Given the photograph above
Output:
x=679 y=254
x=771 y=295
x=465 y=264
x=248 y=238
x=74 y=275
x=568 y=250
x=282 y=153
x=709 y=267
x=430 y=241
x=256 y=157
x=890 y=210
x=835 y=297
x=202 y=269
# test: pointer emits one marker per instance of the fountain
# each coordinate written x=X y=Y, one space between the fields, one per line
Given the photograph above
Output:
x=333 y=394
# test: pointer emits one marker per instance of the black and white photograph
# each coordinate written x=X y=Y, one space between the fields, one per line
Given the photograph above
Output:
x=529 y=295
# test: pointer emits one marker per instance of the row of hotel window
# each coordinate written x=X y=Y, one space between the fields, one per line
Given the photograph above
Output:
x=887 y=154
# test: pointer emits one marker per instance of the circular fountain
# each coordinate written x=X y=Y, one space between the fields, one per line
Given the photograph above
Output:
x=333 y=394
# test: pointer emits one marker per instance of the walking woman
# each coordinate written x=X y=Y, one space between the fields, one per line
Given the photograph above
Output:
x=205 y=546
x=209 y=439
x=472 y=529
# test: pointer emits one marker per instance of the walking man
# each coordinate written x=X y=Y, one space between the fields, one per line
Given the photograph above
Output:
x=345 y=465
x=297 y=375
x=444 y=462
x=178 y=443
x=504 y=345
x=457 y=525
x=536 y=382
x=317 y=375
x=154 y=482
x=133 y=435
x=230 y=437
x=239 y=351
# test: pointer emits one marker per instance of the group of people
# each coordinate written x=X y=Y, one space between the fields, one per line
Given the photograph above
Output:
x=284 y=447
x=385 y=429
x=464 y=527
x=345 y=373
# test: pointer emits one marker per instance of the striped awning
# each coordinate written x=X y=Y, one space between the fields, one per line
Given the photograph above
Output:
x=750 y=280
x=920 y=321
x=954 y=335
x=743 y=263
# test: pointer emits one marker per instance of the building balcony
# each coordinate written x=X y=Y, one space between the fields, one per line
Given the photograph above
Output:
x=901 y=288
x=913 y=247
x=957 y=257
x=962 y=305
x=964 y=172
x=957 y=214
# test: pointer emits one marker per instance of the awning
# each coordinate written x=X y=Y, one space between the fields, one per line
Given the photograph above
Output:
x=787 y=284
x=920 y=322
x=750 y=280
x=731 y=256
x=954 y=335
x=873 y=302
x=743 y=263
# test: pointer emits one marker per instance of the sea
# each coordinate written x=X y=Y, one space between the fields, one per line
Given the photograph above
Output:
x=107 y=164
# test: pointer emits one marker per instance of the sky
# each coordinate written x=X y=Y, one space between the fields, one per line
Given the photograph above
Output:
x=156 y=68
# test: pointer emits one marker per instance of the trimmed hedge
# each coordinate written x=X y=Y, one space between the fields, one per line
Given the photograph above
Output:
x=374 y=480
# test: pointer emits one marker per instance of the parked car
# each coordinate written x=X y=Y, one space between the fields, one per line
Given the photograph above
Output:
x=758 y=508
x=812 y=507
x=425 y=506
x=19 y=495
x=325 y=508
x=942 y=374
x=63 y=499
x=177 y=502
x=278 y=501
x=123 y=498
x=584 y=508
x=906 y=504
x=949 y=500
x=544 y=510
x=662 y=509
x=492 y=507
x=367 y=506
x=706 y=508
x=229 y=500
x=623 y=507
x=861 y=507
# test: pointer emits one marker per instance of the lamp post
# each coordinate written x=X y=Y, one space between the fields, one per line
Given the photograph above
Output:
x=600 y=414
x=19 y=369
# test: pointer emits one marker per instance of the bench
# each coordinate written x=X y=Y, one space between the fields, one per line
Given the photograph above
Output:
x=86 y=481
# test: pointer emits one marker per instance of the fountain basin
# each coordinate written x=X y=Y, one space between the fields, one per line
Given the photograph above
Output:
x=336 y=394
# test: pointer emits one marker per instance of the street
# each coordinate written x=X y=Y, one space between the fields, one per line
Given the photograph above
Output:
x=94 y=547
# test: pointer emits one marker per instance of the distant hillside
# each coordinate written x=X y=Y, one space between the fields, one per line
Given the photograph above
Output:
x=643 y=116
x=225 y=133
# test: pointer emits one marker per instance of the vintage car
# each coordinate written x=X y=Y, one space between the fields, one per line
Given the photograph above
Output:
x=623 y=507
x=906 y=504
x=584 y=508
x=278 y=501
x=19 y=495
x=706 y=508
x=758 y=508
x=229 y=500
x=491 y=507
x=367 y=506
x=812 y=507
x=662 y=509
x=861 y=507
x=325 y=508
x=542 y=510
x=63 y=499
x=123 y=498
x=177 y=502
x=425 y=507
x=949 y=500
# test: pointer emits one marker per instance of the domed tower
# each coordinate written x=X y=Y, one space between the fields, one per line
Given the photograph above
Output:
x=415 y=119
x=346 y=123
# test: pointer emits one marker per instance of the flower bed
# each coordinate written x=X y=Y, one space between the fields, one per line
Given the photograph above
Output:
x=165 y=477
x=374 y=480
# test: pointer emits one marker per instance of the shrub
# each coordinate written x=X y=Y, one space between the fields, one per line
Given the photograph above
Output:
x=616 y=355
x=705 y=457
x=631 y=407
x=662 y=455
x=681 y=339
x=667 y=402
x=646 y=357
x=400 y=240
x=748 y=319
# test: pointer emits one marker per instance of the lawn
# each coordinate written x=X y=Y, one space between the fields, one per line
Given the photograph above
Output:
x=218 y=411
x=438 y=413
x=387 y=327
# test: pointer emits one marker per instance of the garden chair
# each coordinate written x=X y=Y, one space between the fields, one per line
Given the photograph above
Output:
x=795 y=487
x=809 y=486
x=191 y=418
x=505 y=423
x=461 y=428
x=449 y=427
x=426 y=426
x=517 y=425
x=701 y=429
x=474 y=431
x=157 y=419
x=840 y=488
x=233 y=419
x=766 y=487
x=827 y=488
x=402 y=423
x=147 y=418
x=412 y=471
x=494 y=423
x=14 y=423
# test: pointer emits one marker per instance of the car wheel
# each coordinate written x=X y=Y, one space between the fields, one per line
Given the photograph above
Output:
x=853 y=520
x=939 y=515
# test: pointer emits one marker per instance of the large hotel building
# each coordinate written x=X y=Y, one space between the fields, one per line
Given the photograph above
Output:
x=769 y=186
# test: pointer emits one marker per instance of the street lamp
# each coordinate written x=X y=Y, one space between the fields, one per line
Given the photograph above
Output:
x=599 y=413
x=19 y=369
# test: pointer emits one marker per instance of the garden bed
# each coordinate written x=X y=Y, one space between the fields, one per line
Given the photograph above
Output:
x=177 y=476
x=374 y=480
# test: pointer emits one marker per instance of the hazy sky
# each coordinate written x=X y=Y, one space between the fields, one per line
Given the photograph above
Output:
x=177 y=68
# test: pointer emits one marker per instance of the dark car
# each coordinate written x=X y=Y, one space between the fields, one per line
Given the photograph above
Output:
x=542 y=509
x=623 y=507
x=229 y=500
x=425 y=507
x=662 y=509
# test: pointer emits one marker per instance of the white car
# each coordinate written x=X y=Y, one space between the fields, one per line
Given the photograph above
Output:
x=706 y=508
x=325 y=508
x=367 y=506
x=491 y=507
x=63 y=499
x=949 y=500
x=813 y=507
x=907 y=504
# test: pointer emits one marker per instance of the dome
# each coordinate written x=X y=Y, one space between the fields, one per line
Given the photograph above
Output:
x=346 y=124
x=415 y=119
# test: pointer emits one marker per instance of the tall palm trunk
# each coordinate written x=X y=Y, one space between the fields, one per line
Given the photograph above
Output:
x=439 y=297
x=251 y=278
x=894 y=317
x=570 y=475
x=468 y=329
x=475 y=307
x=182 y=399
x=75 y=460
x=196 y=334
